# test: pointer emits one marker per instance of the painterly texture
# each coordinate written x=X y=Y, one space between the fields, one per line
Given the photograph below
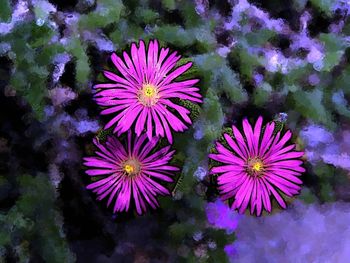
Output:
x=130 y=172
x=143 y=93
x=287 y=61
x=255 y=165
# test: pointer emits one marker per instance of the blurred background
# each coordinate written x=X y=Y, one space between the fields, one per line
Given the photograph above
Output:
x=285 y=60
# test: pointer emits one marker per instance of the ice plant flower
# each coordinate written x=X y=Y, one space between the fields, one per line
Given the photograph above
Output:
x=257 y=165
x=130 y=173
x=144 y=89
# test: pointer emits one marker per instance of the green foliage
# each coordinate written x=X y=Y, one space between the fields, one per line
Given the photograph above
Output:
x=294 y=76
x=342 y=81
x=259 y=38
x=29 y=43
x=307 y=196
x=77 y=49
x=326 y=192
x=202 y=37
x=335 y=48
x=192 y=19
x=192 y=107
x=32 y=220
x=205 y=39
x=220 y=77
x=107 y=12
x=192 y=72
x=323 y=5
x=326 y=174
x=5 y=11
x=310 y=105
x=226 y=130
x=212 y=109
x=103 y=134
x=175 y=35
x=225 y=84
x=145 y=15
x=177 y=186
x=261 y=94
x=126 y=33
x=222 y=140
x=169 y=4
x=246 y=62
x=179 y=231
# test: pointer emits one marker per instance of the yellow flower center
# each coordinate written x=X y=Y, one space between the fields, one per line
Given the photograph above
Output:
x=131 y=167
x=148 y=95
x=255 y=167
x=149 y=90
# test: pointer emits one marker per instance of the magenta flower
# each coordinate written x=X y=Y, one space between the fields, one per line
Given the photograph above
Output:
x=257 y=166
x=130 y=172
x=143 y=91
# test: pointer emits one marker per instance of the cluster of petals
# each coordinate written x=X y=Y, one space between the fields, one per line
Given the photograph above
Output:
x=143 y=90
x=132 y=173
x=256 y=165
x=141 y=96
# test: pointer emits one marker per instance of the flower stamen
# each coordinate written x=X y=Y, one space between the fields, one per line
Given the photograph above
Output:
x=255 y=167
x=131 y=167
x=148 y=95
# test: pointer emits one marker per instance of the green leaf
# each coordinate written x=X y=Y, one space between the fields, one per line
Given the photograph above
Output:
x=332 y=59
x=310 y=105
x=175 y=35
x=35 y=97
x=323 y=5
x=327 y=193
x=147 y=16
x=106 y=12
x=324 y=171
x=335 y=49
x=169 y=4
x=216 y=72
x=333 y=42
x=103 y=134
x=260 y=37
x=192 y=107
x=191 y=17
x=307 y=196
x=5 y=238
x=213 y=111
x=40 y=35
x=246 y=62
x=36 y=203
x=5 y=11
x=261 y=95
x=178 y=231
x=206 y=40
x=229 y=84
x=82 y=62
x=294 y=76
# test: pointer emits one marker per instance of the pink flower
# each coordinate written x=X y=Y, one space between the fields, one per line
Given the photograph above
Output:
x=143 y=91
x=257 y=166
x=130 y=172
